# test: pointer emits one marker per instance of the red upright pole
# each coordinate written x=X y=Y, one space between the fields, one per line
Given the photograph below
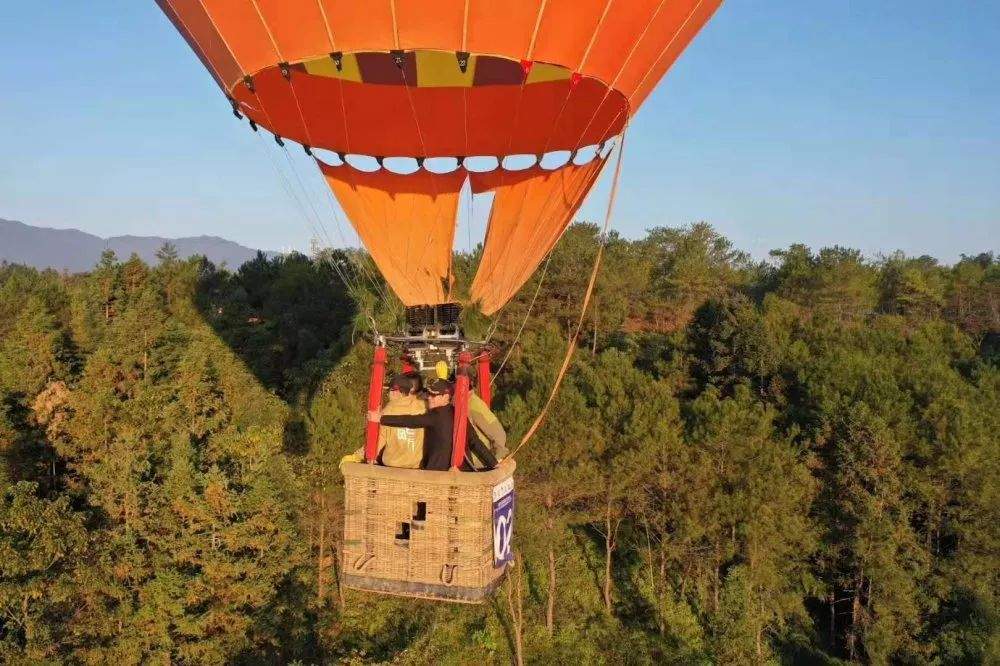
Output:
x=485 y=387
x=374 y=403
x=461 y=402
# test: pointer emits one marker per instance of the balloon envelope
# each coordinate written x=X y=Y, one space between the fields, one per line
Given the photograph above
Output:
x=445 y=78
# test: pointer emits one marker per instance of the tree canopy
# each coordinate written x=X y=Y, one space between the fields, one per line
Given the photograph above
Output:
x=790 y=461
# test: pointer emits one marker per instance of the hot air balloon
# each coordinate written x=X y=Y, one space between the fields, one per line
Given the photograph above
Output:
x=474 y=93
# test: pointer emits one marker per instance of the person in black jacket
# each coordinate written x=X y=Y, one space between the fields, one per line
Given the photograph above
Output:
x=438 y=424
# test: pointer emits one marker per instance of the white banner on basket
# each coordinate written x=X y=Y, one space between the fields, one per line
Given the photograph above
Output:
x=503 y=522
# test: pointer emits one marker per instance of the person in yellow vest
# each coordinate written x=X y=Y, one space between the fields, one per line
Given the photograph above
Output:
x=484 y=422
x=399 y=447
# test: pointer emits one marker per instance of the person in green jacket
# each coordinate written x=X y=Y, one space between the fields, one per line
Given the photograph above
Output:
x=489 y=429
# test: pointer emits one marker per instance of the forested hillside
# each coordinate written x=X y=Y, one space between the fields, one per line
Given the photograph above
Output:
x=784 y=462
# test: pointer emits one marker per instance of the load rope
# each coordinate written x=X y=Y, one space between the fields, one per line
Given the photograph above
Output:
x=571 y=345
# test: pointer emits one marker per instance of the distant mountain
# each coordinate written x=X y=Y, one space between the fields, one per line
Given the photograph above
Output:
x=75 y=251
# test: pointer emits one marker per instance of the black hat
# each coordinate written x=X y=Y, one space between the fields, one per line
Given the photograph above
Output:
x=439 y=387
x=406 y=383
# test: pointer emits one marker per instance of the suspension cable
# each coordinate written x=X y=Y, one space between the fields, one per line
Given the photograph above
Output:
x=290 y=191
x=353 y=284
x=309 y=197
x=538 y=289
x=571 y=345
x=364 y=273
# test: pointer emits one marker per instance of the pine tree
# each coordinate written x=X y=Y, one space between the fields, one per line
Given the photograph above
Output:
x=43 y=547
x=34 y=352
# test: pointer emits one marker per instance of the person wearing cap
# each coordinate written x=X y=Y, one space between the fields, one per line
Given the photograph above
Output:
x=487 y=425
x=489 y=429
x=438 y=425
x=399 y=447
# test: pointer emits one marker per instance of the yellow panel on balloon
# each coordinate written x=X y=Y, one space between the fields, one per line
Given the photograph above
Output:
x=327 y=67
x=541 y=72
x=439 y=69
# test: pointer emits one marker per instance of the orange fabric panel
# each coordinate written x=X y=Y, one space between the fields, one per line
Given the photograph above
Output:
x=273 y=105
x=321 y=101
x=407 y=222
x=239 y=25
x=539 y=108
x=566 y=29
x=191 y=34
x=531 y=210
x=297 y=27
x=360 y=26
x=379 y=120
x=343 y=116
x=504 y=32
x=674 y=20
x=645 y=51
x=552 y=115
x=436 y=25
x=633 y=46
x=303 y=29
x=482 y=120
x=627 y=22
x=697 y=20
x=198 y=31
x=441 y=119
x=590 y=116
x=556 y=115
x=490 y=118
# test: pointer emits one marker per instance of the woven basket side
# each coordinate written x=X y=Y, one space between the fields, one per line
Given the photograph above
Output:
x=385 y=538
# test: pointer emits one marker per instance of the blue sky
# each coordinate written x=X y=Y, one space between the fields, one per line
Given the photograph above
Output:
x=873 y=124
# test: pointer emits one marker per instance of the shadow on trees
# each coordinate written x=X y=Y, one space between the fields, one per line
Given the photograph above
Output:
x=286 y=318
x=278 y=314
x=22 y=454
x=630 y=606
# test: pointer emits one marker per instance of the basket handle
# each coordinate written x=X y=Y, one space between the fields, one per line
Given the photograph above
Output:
x=448 y=574
x=363 y=561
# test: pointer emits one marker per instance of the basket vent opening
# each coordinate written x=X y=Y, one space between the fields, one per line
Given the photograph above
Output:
x=403 y=533
x=419 y=511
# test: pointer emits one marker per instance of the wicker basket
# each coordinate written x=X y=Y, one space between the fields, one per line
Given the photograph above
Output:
x=422 y=534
